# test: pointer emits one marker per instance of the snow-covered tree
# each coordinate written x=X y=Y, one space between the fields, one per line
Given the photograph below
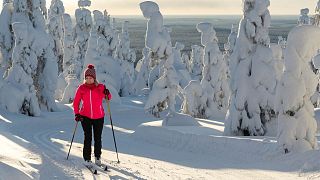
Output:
x=185 y=57
x=56 y=30
x=18 y=93
x=158 y=40
x=33 y=13
x=127 y=57
x=143 y=70
x=277 y=54
x=196 y=61
x=81 y=35
x=193 y=100
x=251 y=109
x=316 y=18
x=123 y=49
x=68 y=41
x=107 y=68
x=297 y=126
x=6 y=36
x=183 y=73
x=215 y=82
x=232 y=38
x=304 y=18
x=68 y=49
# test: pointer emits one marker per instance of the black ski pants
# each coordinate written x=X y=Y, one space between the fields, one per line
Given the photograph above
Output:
x=87 y=126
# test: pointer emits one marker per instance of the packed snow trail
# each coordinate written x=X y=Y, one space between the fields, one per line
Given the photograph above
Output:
x=45 y=141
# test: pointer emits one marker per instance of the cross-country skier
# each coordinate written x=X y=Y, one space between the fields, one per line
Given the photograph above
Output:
x=91 y=114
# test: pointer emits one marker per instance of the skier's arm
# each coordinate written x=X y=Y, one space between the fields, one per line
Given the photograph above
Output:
x=76 y=101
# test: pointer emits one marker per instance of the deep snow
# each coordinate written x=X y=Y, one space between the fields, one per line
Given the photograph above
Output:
x=36 y=148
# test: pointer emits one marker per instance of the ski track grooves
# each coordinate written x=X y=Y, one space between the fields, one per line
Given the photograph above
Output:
x=43 y=139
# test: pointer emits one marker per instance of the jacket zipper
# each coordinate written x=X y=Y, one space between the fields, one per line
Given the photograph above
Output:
x=91 y=103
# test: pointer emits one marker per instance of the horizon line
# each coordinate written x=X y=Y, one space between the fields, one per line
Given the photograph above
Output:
x=199 y=15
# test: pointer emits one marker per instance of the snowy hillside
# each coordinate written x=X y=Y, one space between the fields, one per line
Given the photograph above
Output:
x=147 y=150
x=249 y=110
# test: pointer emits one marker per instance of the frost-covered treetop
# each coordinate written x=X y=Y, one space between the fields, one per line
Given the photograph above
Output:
x=7 y=1
x=208 y=33
x=148 y=8
x=98 y=17
x=84 y=3
x=304 y=11
x=317 y=10
x=56 y=8
x=83 y=18
x=260 y=6
x=258 y=21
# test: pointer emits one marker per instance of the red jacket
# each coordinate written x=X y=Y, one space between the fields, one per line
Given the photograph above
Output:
x=91 y=97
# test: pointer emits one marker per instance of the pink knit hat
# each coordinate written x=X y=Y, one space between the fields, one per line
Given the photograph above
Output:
x=90 y=71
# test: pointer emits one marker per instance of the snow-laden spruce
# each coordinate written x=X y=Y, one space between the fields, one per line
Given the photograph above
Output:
x=251 y=109
x=194 y=100
x=68 y=49
x=33 y=13
x=196 y=65
x=143 y=70
x=215 y=82
x=56 y=29
x=157 y=39
x=18 y=93
x=6 y=36
x=127 y=57
x=316 y=18
x=277 y=54
x=165 y=89
x=297 y=126
x=81 y=34
x=68 y=41
x=124 y=52
x=185 y=57
x=180 y=67
x=33 y=74
x=304 y=18
x=232 y=38
x=107 y=68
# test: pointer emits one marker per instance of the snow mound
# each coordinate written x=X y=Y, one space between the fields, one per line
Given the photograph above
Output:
x=179 y=119
x=192 y=139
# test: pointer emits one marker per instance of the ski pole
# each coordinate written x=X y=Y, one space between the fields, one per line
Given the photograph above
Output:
x=74 y=132
x=114 y=139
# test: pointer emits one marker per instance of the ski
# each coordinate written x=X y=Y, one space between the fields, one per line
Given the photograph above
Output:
x=103 y=167
x=92 y=169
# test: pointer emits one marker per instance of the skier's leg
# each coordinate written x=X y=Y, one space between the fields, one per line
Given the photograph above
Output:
x=87 y=129
x=97 y=130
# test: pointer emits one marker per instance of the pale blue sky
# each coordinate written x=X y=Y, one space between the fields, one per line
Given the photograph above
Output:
x=193 y=7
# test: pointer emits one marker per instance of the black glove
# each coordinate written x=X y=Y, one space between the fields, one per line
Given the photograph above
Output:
x=106 y=91
x=78 y=118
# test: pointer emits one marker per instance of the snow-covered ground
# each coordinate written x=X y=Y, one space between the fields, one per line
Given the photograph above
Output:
x=36 y=148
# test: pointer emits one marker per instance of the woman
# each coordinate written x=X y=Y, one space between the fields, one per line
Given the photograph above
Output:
x=91 y=114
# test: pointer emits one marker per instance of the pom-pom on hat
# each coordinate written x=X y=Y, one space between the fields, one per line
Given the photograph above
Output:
x=90 y=71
